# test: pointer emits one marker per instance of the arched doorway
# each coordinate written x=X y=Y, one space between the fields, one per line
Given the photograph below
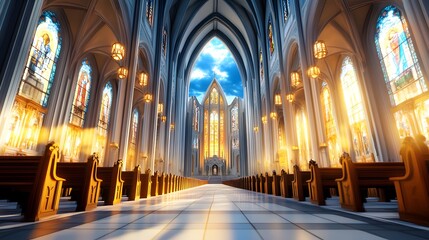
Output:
x=215 y=170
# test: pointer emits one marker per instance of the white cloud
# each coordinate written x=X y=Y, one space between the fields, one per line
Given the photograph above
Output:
x=218 y=51
x=220 y=75
x=198 y=74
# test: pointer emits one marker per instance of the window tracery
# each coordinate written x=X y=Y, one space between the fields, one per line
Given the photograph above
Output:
x=30 y=106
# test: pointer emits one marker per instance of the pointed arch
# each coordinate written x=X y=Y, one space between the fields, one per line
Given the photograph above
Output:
x=30 y=106
x=361 y=138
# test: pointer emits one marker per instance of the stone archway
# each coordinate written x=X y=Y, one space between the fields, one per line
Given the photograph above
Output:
x=215 y=170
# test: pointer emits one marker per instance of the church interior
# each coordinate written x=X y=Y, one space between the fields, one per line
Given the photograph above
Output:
x=101 y=137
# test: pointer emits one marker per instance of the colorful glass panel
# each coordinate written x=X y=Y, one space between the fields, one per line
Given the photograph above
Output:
x=330 y=126
x=103 y=121
x=355 y=109
x=149 y=12
x=40 y=69
x=270 y=36
x=25 y=121
x=81 y=96
x=285 y=7
x=401 y=69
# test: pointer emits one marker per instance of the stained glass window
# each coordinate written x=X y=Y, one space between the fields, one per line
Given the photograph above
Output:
x=355 y=109
x=103 y=121
x=261 y=67
x=404 y=79
x=196 y=116
x=214 y=128
x=285 y=7
x=25 y=121
x=164 y=42
x=270 y=36
x=302 y=138
x=133 y=141
x=149 y=11
x=234 y=127
x=330 y=126
x=81 y=96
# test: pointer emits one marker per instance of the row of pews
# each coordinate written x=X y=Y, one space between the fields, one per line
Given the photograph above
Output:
x=407 y=182
x=37 y=183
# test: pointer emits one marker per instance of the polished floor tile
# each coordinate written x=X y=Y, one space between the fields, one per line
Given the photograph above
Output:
x=216 y=212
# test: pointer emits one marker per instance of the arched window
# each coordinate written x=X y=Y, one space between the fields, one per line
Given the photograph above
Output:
x=196 y=116
x=330 y=126
x=103 y=121
x=214 y=123
x=302 y=139
x=235 y=141
x=149 y=12
x=32 y=98
x=286 y=11
x=164 y=42
x=131 y=159
x=402 y=73
x=270 y=36
x=261 y=67
x=355 y=110
x=81 y=96
x=72 y=145
x=404 y=79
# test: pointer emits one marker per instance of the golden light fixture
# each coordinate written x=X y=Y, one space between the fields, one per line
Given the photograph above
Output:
x=264 y=119
x=160 y=107
x=172 y=126
x=320 y=50
x=118 y=51
x=163 y=118
x=277 y=99
x=122 y=72
x=143 y=79
x=273 y=115
x=313 y=71
x=256 y=129
x=147 y=97
x=290 y=97
x=295 y=79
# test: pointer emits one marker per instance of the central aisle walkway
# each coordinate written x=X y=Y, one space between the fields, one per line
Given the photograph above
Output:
x=213 y=211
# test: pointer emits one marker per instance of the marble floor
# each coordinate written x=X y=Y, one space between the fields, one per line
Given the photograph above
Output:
x=218 y=212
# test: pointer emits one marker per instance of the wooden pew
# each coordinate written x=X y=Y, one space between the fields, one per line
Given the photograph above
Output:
x=276 y=184
x=321 y=181
x=146 y=184
x=32 y=181
x=257 y=183
x=155 y=184
x=261 y=183
x=132 y=183
x=412 y=189
x=253 y=183
x=299 y=184
x=358 y=177
x=81 y=177
x=167 y=183
x=161 y=184
x=286 y=184
x=268 y=183
x=112 y=184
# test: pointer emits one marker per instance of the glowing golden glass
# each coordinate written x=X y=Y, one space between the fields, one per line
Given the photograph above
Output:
x=122 y=72
x=118 y=51
x=313 y=71
x=264 y=119
x=273 y=115
x=277 y=99
x=320 y=50
x=143 y=79
x=290 y=97
x=295 y=79
x=147 y=97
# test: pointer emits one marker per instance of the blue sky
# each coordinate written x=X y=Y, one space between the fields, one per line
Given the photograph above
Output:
x=215 y=59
